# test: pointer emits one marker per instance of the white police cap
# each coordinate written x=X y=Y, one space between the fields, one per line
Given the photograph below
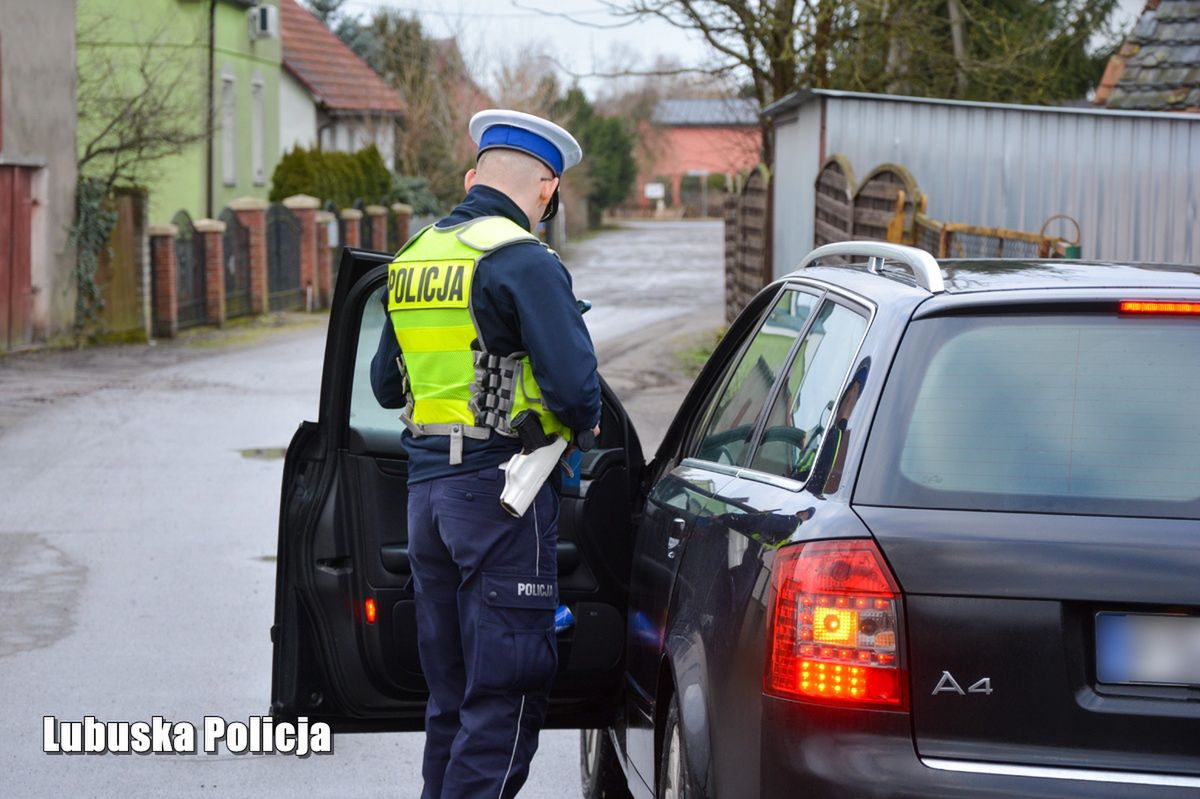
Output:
x=513 y=130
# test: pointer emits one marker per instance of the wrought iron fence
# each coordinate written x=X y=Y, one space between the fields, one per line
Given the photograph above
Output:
x=364 y=224
x=190 y=284
x=284 y=290
x=337 y=239
x=235 y=246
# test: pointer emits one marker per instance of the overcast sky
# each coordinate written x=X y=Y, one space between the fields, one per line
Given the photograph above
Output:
x=492 y=30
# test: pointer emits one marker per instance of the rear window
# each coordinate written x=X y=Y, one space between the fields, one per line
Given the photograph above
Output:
x=1080 y=414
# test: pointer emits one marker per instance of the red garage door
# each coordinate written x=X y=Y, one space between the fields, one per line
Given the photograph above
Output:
x=16 y=209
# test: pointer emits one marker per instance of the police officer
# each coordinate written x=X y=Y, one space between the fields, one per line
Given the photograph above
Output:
x=482 y=325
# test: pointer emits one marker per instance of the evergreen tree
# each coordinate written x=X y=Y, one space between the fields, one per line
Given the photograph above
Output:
x=608 y=153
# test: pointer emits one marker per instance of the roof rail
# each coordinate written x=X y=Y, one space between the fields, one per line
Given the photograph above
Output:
x=923 y=266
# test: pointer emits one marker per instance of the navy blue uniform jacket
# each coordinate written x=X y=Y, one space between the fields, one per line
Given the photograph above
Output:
x=523 y=302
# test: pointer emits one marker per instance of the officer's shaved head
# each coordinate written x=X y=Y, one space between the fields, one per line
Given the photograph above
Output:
x=526 y=180
x=510 y=165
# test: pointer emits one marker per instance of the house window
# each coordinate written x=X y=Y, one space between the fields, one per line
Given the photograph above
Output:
x=228 y=130
x=258 y=142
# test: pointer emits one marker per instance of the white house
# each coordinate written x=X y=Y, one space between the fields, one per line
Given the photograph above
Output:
x=328 y=96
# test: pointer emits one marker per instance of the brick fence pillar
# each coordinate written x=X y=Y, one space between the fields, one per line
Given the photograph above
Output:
x=403 y=220
x=213 y=231
x=324 y=264
x=351 y=217
x=163 y=279
x=305 y=209
x=378 y=217
x=252 y=213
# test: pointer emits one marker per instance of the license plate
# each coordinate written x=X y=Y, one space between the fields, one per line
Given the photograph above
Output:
x=1147 y=649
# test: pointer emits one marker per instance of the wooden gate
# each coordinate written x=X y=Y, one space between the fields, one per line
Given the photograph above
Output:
x=875 y=203
x=748 y=250
x=283 y=259
x=16 y=241
x=190 y=285
x=119 y=270
x=235 y=246
x=834 y=201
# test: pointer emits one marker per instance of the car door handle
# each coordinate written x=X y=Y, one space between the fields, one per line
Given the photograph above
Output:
x=395 y=558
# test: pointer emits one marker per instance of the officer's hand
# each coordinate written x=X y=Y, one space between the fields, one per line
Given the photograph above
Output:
x=586 y=439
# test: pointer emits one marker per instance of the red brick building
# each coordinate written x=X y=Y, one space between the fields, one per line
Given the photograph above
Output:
x=695 y=139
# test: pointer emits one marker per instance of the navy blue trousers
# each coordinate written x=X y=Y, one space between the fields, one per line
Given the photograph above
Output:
x=486 y=590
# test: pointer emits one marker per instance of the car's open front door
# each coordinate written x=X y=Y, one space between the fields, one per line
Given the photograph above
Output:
x=345 y=646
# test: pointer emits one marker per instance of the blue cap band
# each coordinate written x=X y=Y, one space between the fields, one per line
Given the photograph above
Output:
x=520 y=139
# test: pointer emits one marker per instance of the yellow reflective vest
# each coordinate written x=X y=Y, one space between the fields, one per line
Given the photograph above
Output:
x=453 y=387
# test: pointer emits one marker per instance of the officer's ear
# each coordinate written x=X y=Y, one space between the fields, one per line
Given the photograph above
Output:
x=469 y=179
x=547 y=189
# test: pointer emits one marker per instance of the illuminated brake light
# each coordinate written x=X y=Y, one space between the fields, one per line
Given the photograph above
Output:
x=369 y=611
x=834 y=626
x=1172 y=308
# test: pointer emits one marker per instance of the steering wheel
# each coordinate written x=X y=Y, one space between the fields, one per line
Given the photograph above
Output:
x=787 y=434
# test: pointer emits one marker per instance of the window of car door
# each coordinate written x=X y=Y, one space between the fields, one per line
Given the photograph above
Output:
x=803 y=407
x=731 y=417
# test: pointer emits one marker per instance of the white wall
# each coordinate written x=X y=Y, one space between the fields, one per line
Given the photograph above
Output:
x=37 y=87
x=297 y=115
x=797 y=161
x=351 y=134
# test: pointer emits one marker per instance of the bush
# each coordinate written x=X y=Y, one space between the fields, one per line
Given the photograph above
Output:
x=416 y=192
x=340 y=177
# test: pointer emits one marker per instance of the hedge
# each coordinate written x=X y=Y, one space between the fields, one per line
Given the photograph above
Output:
x=341 y=177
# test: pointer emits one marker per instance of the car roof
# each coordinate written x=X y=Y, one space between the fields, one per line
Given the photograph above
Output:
x=996 y=280
x=974 y=275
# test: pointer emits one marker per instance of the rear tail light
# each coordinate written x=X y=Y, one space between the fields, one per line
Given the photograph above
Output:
x=369 y=611
x=835 y=623
x=1161 y=308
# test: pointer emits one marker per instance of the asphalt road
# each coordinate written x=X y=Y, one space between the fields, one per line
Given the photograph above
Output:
x=138 y=521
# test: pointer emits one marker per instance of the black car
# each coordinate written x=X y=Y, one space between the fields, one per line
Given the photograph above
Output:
x=919 y=529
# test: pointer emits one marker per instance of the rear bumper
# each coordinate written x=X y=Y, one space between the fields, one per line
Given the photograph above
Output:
x=816 y=750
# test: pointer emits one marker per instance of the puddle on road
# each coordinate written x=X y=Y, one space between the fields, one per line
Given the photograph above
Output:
x=39 y=588
x=264 y=453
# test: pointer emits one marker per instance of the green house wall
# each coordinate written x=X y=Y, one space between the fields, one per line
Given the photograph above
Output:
x=113 y=35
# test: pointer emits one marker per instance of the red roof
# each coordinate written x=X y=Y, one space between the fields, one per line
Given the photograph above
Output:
x=339 y=79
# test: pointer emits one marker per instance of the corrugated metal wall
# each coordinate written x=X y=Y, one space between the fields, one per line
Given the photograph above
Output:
x=1132 y=181
x=797 y=147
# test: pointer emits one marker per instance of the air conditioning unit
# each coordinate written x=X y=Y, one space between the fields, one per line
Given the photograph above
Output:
x=264 y=22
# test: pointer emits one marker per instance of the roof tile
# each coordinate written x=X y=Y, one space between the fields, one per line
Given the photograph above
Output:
x=328 y=68
x=1161 y=60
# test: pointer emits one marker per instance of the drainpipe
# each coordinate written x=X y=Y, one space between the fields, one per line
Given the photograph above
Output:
x=208 y=160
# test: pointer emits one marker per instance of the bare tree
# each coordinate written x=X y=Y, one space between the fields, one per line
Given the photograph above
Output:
x=136 y=105
x=439 y=94
x=1019 y=50
x=526 y=80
